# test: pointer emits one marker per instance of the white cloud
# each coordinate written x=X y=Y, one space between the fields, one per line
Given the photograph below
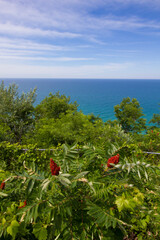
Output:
x=21 y=49
x=49 y=59
x=8 y=43
x=18 y=30
x=66 y=18
x=110 y=23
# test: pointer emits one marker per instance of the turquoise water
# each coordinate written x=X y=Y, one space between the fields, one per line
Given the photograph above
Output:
x=97 y=96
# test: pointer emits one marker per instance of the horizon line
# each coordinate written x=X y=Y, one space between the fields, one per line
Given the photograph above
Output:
x=43 y=78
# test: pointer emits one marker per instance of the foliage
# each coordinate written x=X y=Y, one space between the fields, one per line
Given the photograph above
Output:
x=85 y=201
x=93 y=180
x=16 y=112
x=156 y=120
x=149 y=143
x=57 y=121
x=55 y=105
x=129 y=114
x=12 y=156
x=75 y=127
x=5 y=132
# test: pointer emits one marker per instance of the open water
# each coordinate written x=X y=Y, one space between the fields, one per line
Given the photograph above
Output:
x=97 y=96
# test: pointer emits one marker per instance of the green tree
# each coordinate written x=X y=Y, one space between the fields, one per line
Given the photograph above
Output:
x=155 y=120
x=16 y=112
x=70 y=127
x=54 y=105
x=75 y=127
x=129 y=115
x=5 y=132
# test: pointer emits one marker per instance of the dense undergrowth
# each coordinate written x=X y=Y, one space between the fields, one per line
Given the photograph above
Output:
x=86 y=199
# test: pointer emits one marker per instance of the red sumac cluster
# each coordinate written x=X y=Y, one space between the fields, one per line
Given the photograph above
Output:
x=114 y=160
x=54 y=168
x=2 y=185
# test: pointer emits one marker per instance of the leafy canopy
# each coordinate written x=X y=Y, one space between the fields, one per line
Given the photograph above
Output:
x=129 y=115
x=16 y=112
x=54 y=105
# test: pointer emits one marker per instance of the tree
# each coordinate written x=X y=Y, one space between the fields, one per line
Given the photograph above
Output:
x=155 y=120
x=54 y=105
x=16 y=112
x=129 y=115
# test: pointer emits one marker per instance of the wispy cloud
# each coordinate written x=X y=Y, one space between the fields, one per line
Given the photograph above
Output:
x=67 y=18
x=8 y=43
x=75 y=31
x=26 y=50
x=18 y=30
x=49 y=59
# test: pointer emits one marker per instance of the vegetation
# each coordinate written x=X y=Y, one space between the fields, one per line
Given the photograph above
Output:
x=16 y=112
x=156 y=120
x=55 y=105
x=129 y=115
x=93 y=180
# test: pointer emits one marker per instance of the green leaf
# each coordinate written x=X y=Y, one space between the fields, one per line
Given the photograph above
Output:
x=45 y=184
x=123 y=167
x=64 y=181
x=114 y=223
x=14 y=223
x=69 y=211
x=129 y=168
x=83 y=235
x=30 y=185
x=139 y=173
x=9 y=230
x=65 y=174
x=57 y=237
x=13 y=229
x=123 y=203
x=3 y=221
x=102 y=216
x=80 y=175
x=36 y=212
x=40 y=232
x=146 y=175
x=73 y=185
x=3 y=194
x=91 y=186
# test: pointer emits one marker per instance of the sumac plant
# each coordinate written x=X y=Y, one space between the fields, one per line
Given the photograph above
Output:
x=79 y=197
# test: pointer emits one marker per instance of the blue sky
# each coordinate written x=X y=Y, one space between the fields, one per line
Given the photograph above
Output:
x=80 y=39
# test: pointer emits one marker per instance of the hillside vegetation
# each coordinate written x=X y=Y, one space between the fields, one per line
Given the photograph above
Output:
x=66 y=176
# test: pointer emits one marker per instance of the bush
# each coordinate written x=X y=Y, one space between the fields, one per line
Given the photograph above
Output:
x=85 y=200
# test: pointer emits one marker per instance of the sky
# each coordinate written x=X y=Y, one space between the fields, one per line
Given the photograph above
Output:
x=80 y=39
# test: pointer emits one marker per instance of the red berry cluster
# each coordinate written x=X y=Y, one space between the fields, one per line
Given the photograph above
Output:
x=24 y=204
x=54 y=168
x=2 y=185
x=114 y=160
